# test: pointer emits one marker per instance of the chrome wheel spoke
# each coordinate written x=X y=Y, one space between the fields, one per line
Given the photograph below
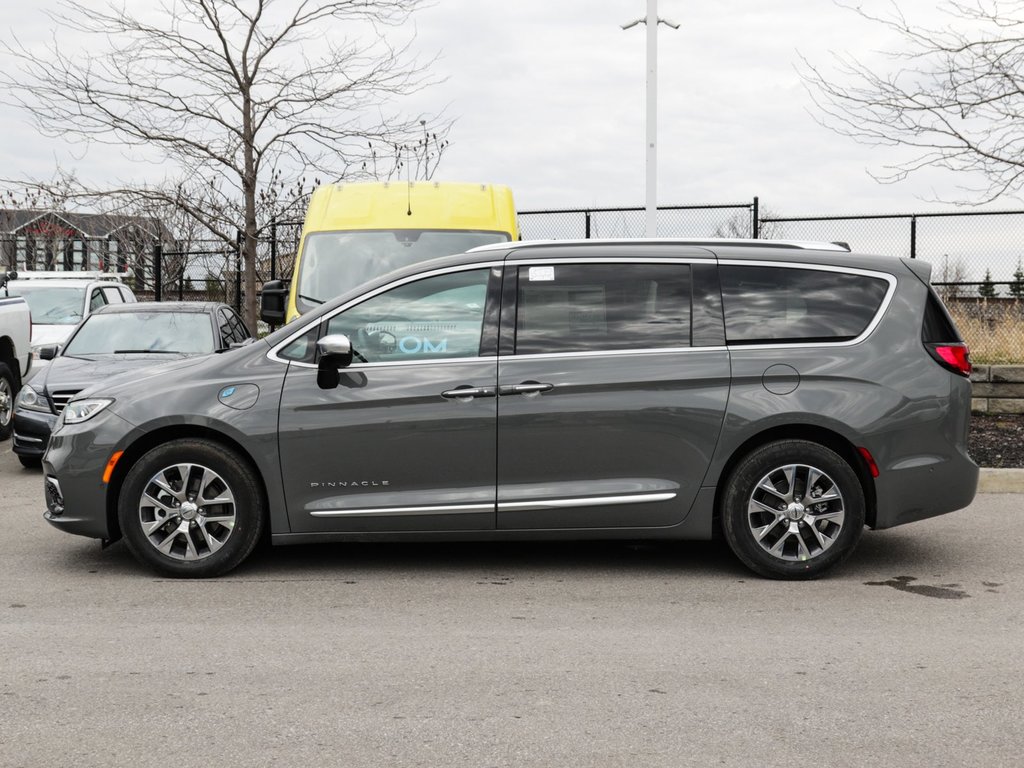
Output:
x=150 y=528
x=166 y=487
x=159 y=504
x=766 y=485
x=228 y=521
x=835 y=516
x=763 y=531
x=190 y=546
x=765 y=507
x=212 y=543
x=166 y=545
x=823 y=541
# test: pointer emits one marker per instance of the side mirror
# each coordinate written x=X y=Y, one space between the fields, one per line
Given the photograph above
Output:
x=274 y=302
x=335 y=351
x=5 y=278
x=48 y=352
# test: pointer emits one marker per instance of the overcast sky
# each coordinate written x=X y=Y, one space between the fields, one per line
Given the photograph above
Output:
x=548 y=97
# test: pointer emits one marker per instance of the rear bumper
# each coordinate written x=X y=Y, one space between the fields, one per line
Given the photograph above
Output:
x=926 y=486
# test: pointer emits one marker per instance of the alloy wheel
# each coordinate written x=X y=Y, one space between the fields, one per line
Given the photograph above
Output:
x=187 y=511
x=796 y=512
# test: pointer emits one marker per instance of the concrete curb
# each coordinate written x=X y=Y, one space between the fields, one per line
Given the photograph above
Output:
x=1001 y=481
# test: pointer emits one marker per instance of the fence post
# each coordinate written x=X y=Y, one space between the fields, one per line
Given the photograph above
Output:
x=273 y=249
x=913 y=237
x=239 y=244
x=586 y=224
x=756 y=224
x=158 y=272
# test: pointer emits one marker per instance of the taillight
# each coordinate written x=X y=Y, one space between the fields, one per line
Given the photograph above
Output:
x=952 y=357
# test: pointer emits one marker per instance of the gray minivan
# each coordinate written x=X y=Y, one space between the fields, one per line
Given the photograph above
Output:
x=782 y=395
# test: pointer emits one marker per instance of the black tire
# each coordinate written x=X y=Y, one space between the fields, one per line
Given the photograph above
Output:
x=8 y=391
x=786 y=539
x=180 y=533
x=31 y=462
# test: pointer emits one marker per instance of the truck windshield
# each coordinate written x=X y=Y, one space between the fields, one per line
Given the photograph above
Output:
x=50 y=304
x=335 y=262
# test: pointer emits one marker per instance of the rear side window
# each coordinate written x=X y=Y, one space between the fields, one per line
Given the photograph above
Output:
x=597 y=307
x=765 y=304
x=938 y=327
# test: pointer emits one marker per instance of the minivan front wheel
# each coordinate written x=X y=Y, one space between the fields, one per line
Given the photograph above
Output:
x=793 y=509
x=191 y=508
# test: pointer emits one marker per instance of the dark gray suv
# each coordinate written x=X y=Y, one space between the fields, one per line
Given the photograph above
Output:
x=779 y=394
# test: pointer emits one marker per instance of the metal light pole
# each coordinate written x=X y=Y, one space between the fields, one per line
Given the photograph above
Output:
x=652 y=21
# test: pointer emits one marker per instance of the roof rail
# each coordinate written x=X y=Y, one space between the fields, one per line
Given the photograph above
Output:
x=50 y=275
x=706 y=241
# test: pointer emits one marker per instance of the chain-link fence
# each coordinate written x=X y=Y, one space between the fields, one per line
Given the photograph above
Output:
x=976 y=260
x=725 y=220
x=976 y=256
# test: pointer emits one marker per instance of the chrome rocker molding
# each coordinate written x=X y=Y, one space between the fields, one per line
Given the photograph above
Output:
x=458 y=509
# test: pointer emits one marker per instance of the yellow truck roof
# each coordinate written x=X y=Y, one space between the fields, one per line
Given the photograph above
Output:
x=415 y=205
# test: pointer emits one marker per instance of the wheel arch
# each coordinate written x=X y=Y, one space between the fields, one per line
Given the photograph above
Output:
x=812 y=433
x=150 y=440
x=9 y=356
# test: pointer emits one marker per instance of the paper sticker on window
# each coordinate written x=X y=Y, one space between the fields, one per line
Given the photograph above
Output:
x=542 y=273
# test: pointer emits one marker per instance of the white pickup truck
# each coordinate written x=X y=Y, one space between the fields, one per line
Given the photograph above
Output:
x=15 y=350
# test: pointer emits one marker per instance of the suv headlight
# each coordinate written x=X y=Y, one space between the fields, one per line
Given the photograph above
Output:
x=31 y=400
x=78 y=411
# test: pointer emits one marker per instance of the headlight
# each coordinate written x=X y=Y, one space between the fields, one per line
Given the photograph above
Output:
x=31 y=400
x=78 y=411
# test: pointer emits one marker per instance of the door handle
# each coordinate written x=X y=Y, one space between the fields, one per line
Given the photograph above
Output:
x=527 y=388
x=465 y=393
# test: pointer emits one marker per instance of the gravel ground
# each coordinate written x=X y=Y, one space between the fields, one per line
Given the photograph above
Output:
x=997 y=440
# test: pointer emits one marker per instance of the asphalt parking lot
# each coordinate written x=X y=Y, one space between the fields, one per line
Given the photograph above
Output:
x=513 y=655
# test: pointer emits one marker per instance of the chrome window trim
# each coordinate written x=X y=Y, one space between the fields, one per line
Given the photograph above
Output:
x=886 y=301
x=890 y=279
x=612 y=353
x=272 y=354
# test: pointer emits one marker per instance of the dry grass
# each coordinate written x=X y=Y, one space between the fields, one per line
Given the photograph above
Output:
x=994 y=330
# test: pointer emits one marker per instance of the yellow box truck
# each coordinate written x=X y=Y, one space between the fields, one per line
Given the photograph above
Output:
x=355 y=232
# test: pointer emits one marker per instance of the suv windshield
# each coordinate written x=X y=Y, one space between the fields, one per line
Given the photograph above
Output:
x=335 y=262
x=187 y=333
x=51 y=304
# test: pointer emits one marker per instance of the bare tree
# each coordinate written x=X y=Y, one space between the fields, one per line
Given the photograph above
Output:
x=955 y=94
x=741 y=225
x=227 y=91
x=949 y=276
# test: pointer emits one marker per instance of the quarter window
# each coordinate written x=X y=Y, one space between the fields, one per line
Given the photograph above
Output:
x=785 y=304
x=595 y=307
x=113 y=296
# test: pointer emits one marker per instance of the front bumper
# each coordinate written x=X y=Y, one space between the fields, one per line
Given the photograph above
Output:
x=32 y=432
x=76 y=496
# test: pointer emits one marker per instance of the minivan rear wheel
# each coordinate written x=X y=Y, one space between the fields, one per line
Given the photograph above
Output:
x=191 y=508
x=793 y=509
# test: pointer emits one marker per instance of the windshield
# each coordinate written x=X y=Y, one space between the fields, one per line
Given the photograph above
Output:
x=187 y=333
x=335 y=262
x=51 y=305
